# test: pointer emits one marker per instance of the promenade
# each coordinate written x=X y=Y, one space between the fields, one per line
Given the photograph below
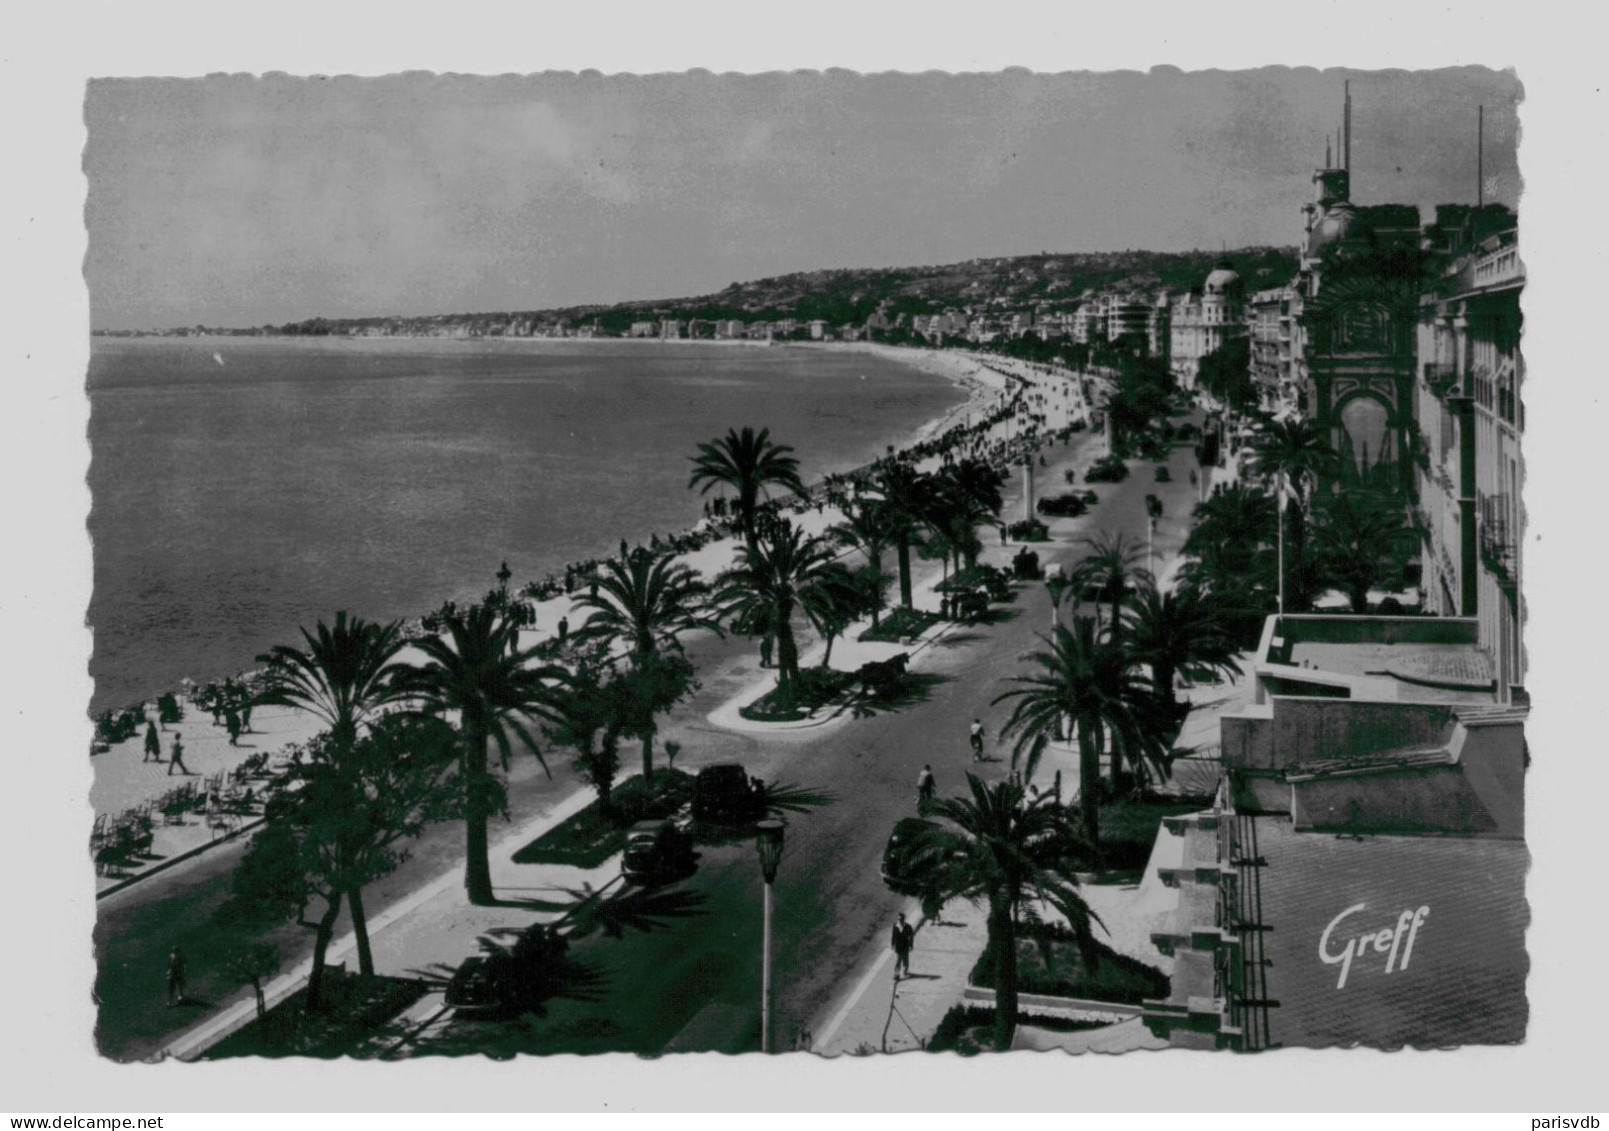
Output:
x=833 y=910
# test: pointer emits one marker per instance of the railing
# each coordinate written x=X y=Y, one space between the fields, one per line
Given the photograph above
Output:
x=1498 y=545
x=1440 y=376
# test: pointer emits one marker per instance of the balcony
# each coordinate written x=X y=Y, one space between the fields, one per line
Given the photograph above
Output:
x=1440 y=377
x=1498 y=549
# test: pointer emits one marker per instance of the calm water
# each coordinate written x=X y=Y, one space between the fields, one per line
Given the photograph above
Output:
x=234 y=502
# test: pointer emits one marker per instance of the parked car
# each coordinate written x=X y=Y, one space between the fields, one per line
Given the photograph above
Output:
x=900 y=871
x=724 y=795
x=1063 y=506
x=657 y=852
x=897 y=857
x=1163 y=475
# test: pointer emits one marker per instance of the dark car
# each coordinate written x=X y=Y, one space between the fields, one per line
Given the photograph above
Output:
x=1163 y=475
x=724 y=795
x=899 y=872
x=508 y=980
x=657 y=852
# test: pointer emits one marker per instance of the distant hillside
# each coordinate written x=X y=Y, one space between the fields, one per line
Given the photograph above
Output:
x=1043 y=282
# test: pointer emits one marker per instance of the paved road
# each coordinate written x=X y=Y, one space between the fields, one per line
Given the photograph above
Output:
x=695 y=985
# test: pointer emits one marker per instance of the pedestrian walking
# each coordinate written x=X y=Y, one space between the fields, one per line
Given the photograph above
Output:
x=925 y=789
x=975 y=737
x=903 y=940
x=153 y=744
x=564 y=629
x=177 y=758
x=176 y=977
x=231 y=720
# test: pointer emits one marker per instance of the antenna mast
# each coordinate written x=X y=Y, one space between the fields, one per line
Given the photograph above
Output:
x=1480 y=157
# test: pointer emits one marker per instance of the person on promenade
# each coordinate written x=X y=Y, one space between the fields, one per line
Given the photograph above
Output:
x=903 y=940
x=176 y=977
x=177 y=759
x=975 y=737
x=231 y=720
x=564 y=629
x=153 y=744
x=925 y=789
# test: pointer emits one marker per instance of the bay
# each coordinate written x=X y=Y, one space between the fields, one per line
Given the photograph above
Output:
x=242 y=488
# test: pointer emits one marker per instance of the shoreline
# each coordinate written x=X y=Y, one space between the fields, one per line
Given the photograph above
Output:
x=984 y=387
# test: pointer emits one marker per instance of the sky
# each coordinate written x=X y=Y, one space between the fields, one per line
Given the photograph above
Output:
x=241 y=201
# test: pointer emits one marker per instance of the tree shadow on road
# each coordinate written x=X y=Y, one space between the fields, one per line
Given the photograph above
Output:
x=911 y=688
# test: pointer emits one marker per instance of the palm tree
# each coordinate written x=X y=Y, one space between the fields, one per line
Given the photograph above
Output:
x=1012 y=852
x=767 y=585
x=1088 y=682
x=1178 y=633
x=643 y=603
x=905 y=494
x=832 y=598
x=748 y=462
x=1297 y=455
x=1231 y=553
x=971 y=491
x=865 y=528
x=479 y=670
x=1360 y=542
x=347 y=674
x=1112 y=566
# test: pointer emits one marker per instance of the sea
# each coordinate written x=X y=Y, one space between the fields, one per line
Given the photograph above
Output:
x=243 y=488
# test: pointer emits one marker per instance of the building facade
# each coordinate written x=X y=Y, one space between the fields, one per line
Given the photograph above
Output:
x=1204 y=320
x=1470 y=468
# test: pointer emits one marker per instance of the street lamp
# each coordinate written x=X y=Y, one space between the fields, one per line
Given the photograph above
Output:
x=768 y=839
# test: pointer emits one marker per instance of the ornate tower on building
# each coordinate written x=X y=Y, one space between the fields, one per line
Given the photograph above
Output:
x=1360 y=282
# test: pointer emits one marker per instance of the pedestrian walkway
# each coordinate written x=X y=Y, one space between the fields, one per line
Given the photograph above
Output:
x=433 y=929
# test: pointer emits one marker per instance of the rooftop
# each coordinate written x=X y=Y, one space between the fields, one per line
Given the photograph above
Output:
x=1415 y=659
x=1456 y=978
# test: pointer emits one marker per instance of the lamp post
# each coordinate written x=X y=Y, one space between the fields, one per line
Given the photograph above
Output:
x=768 y=839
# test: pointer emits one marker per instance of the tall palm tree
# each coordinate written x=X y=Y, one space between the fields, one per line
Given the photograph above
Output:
x=1012 y=852
x=1361 y=543
x=747 y=462
x=1112 y=564
x=479 y=670
x=1178 y=633
x=905 y=494
x=865 y=528
x=345 y=676
x=1294 y=454
x=1087 y=681
x=767 y=586
x=643 y=603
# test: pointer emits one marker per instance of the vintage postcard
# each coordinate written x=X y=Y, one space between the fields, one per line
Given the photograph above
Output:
x=814 y=562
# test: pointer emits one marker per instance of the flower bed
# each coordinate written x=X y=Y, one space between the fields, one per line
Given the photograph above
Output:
x=588 y=838
x=1113 y=977
x=899 y=624
x=770 y=708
